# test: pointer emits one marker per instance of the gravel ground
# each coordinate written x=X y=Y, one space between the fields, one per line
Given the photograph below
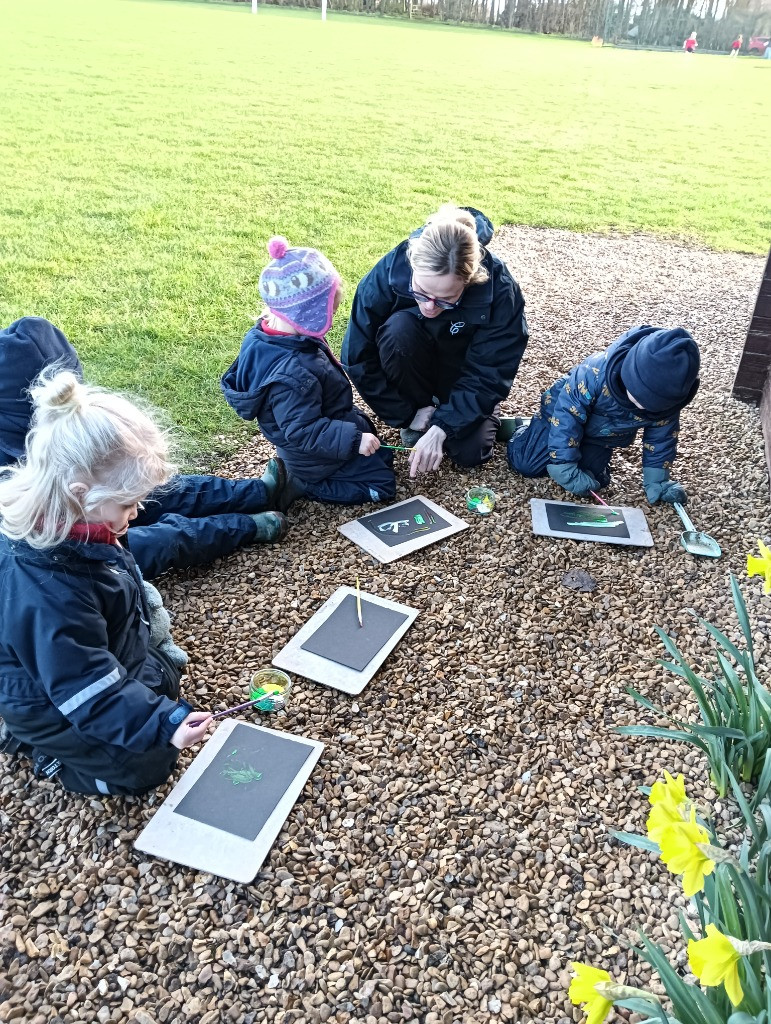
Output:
x=450 y=855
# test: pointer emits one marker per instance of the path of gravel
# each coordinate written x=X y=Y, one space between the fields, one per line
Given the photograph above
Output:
x=449 y=856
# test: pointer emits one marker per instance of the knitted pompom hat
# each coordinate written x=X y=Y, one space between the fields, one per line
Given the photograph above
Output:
x=300 y=285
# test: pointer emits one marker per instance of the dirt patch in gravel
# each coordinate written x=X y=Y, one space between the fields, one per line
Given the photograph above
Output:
x=450 y=855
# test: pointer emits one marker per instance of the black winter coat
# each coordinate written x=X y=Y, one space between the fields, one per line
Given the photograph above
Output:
x=482 y=340
x=77 y=676
x=299 y=394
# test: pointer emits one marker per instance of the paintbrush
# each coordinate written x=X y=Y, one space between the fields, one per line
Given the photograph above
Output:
x=397 y=447
x=358 y=603
x=602 y=502
x=276 y=703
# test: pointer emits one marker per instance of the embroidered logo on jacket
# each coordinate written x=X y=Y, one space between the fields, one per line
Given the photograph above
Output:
x=458 y=326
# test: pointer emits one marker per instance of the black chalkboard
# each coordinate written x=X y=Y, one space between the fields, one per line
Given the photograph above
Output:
x=394 y=526
x=586 y=520
x=340 y=638
x=245 y=782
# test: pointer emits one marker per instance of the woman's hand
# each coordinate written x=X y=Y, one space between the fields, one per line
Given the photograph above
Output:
x=192 y=730
x=369 y=444
x=422 y=418
x=428 y=453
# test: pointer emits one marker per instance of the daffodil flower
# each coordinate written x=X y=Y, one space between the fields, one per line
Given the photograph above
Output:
x=715 y=961
x=681 y=853
x=761 y=566
x=582 y=990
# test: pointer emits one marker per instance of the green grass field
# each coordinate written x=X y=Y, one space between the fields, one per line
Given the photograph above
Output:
x=151 y=148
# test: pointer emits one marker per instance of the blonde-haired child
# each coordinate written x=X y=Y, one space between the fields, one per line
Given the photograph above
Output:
x=81 y=688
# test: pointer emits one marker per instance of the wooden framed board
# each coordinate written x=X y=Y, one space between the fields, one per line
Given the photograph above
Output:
x=400 y=529
x=608 y=525
x=225 y=812
x=332 y=649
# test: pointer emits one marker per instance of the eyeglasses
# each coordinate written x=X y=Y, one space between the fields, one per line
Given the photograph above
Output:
x=439 y=303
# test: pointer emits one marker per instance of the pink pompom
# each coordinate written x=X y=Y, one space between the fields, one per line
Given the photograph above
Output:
x=277 y=247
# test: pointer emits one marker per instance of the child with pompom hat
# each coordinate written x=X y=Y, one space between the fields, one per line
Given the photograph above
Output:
x=287 y=378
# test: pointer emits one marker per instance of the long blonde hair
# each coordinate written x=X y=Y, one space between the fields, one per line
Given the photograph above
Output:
x=448 y=244
x=79 y=434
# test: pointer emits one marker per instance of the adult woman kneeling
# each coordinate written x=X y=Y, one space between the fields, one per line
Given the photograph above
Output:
x=436 y=334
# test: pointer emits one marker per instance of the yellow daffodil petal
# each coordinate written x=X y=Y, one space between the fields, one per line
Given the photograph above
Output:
x=678 y=845
x=683 y=857
x=598 y=1011
x=696 y=958
x=758 y=567
x=733 y=985
x=671 y=790
x=694 y=875
x=714 y=961
x=582 y=988
x=761 y=566
x=662 y=816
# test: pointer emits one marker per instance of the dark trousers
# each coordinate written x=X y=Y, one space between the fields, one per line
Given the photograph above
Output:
x=363 y=478
x=193 y=520
x=414 y=367
x=528 y=453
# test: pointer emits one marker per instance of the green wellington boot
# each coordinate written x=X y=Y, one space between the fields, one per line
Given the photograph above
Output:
x=271 y=527
x=281 y=486
x=274 y=479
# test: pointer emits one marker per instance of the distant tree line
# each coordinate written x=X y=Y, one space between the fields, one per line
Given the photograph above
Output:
x=664 y=23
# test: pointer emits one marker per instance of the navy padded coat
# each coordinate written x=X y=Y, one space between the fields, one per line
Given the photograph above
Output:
x=301 y=398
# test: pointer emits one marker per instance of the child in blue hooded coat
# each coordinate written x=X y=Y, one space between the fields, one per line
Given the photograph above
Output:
x=190 y=521
x=287 y=378
x=642 y=381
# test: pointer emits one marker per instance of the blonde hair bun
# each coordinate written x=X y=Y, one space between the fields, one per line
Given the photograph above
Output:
x=58 y=395
x=79 y=435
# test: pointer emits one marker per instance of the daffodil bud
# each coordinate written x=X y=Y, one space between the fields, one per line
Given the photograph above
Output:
x=718 y=855
x=746 y=948
x=613 y=991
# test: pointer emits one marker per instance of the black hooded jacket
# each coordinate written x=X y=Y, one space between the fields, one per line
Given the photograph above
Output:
x=26 y=347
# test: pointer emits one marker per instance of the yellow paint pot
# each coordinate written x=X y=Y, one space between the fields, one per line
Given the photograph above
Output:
x=269 y=682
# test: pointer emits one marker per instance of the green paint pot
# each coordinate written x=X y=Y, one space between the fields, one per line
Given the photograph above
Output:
x=269 y=682
x=481 y=500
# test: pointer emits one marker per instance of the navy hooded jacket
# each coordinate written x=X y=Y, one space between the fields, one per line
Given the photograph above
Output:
x=77 y=675
x=299 y=394
x=482 y=339
x=26 y=347
x=590 y=404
